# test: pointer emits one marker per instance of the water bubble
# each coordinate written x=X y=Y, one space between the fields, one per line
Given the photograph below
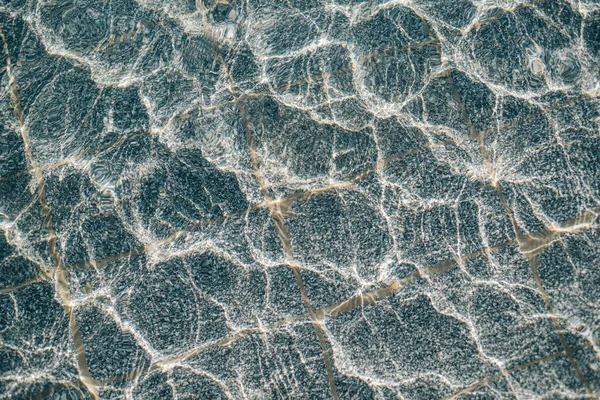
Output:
x=569 y=70
x=101 y=173
x=107 y=201
x=564 y=68
x=531 y=48
x=537 y=67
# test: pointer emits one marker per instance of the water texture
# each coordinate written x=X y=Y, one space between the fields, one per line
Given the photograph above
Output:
x=299 y=199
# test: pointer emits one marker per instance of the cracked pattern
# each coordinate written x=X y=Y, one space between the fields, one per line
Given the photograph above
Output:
x=346 y=199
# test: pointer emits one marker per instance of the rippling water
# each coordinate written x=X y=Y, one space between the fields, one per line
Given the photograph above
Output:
x=317 y=199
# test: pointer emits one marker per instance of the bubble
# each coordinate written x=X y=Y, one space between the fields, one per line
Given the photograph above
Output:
x=569 y=70
x=537 y=66
x=106 y=201
x=565 y=68
x=531 y=48
x=101 y=173
x=232 y=14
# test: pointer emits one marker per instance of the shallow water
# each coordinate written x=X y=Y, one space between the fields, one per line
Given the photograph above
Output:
x=299 y=199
